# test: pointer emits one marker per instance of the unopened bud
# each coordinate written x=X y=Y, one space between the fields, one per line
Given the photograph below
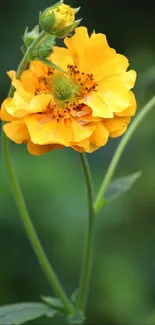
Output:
x=58 y=18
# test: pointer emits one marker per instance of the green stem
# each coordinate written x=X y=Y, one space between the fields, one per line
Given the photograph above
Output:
x=118 y=153
x=24 y=61
x=49 y=272
x=35 y=242
x=87 y=262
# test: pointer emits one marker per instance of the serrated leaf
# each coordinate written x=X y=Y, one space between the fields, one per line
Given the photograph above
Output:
x=120 y=186
x=17 y=314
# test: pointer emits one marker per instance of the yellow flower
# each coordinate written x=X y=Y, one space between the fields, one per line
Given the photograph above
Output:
x=79 y=107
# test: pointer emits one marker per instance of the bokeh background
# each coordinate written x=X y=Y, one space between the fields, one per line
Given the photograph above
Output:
x=123 y=279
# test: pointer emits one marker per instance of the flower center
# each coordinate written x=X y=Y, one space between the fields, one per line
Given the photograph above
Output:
x=85 y=81
x=67 y=88
x=63 y=88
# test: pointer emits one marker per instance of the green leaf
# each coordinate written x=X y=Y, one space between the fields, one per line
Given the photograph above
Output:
x=75 y=296
x=30 y=37
x=44 y=48
x=49 y=64
x=76 y=319
x=54 y=302
x=17 y=314
x=121 y=185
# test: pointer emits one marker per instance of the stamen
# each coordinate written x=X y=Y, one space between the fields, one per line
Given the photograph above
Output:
x=66 y=88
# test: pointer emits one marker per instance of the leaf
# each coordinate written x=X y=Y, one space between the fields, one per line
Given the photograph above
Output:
x=75 y=296
x=17 y=314
x=54 y=302
x=49 y=64
x=120 y=186
x=76 y=319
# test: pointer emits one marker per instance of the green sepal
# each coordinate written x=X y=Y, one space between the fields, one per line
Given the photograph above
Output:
x=47 y=22
x=45 y=48
x=76 y=10
x=67 y=30
x=30 y=37
x=23 y=49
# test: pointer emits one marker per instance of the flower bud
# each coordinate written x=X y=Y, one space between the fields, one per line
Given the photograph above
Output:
x=29 y=37
x=58 y=18
x=67 y=30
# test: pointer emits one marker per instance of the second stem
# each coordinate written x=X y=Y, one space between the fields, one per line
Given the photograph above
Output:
x=87 y=262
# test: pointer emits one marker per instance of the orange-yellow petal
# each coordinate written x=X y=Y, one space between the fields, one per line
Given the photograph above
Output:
x=81 y=145
x=126 y=78
x=27 y=95
x=37 y=150
x=47 y=131
x=40 y=103
x=17 y=106
x=78 y=148
x=29 y=81
x=100 y=136
x=98 y=106
x=89 y=148
x=22 y=92
x=11 y=74
x=16 y=131
x=77 y=45
x=4 y=115
x=38 y=68
x=115 y=95
x=61 y=57
x=111 y=67
x=97 y=52
x=78 y=132
x=117 y=125
x=131 y=109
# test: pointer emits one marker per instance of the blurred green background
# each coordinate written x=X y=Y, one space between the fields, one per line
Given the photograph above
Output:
x=123 y=279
